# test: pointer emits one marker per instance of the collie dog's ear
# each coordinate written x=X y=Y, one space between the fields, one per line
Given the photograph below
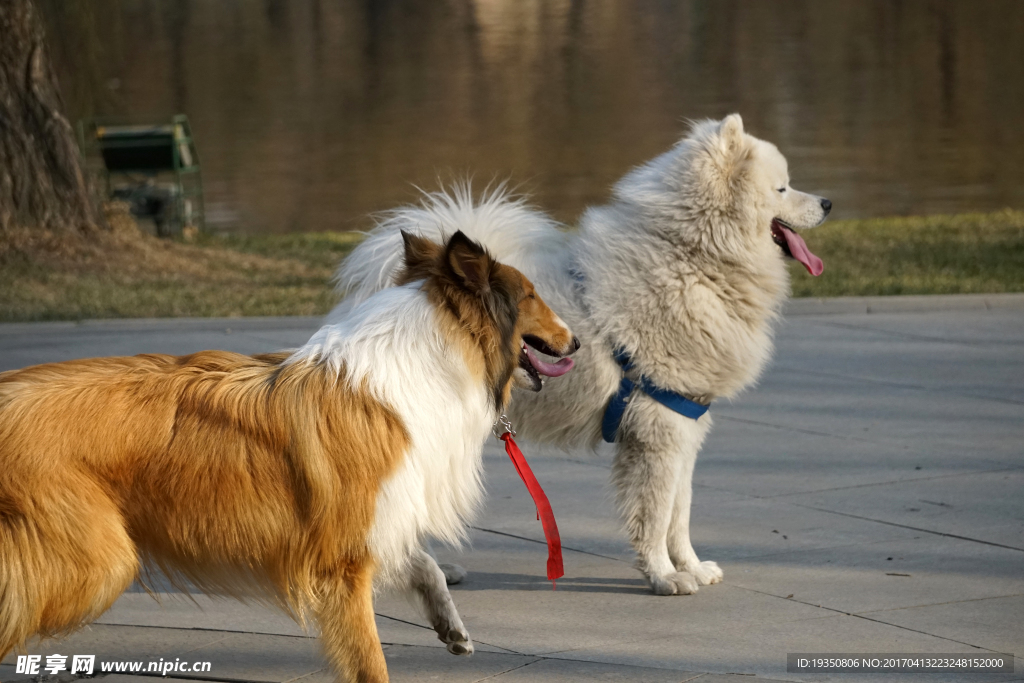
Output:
x=421 y=255
x=470 y=263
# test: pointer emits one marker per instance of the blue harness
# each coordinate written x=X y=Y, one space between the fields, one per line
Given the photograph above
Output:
x=617 y=406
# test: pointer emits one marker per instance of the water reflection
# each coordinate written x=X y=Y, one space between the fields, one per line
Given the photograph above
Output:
x=311 y=114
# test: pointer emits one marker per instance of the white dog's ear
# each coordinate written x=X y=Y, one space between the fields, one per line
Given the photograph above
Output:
x=731 y=133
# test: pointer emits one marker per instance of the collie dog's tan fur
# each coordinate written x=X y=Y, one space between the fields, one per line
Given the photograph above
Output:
x=295 y=478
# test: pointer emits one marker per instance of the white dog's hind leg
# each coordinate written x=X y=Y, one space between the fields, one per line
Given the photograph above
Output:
x=645 y=473
x=427 y=582
x=679 y=547
x=453 y=573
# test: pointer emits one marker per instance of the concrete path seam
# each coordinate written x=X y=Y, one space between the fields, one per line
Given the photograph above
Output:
x=427 y=628
x=866 y=618
x=299 y=678
x=534 y=540
x=913 y=528
x=948 y=602
x=894 y=442
x=778 y=496
x=926 y=633
x=801 y=430
x=897 y=385
x=502 y=673
x=201 y=628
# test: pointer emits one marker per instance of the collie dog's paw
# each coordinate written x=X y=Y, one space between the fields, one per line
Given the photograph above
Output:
x=707 y=573
x=680 y=583
x=458 y=642
x=453 y=573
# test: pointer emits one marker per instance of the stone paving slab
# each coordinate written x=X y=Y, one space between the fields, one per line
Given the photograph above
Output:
x=896 y=416
x=993 y=623
x=599 y=602
x=729 y=524
x=982 y=506
x=873 y=435
x=971 y=355
x=760 y=650
x=862 y=578
x=804 y=463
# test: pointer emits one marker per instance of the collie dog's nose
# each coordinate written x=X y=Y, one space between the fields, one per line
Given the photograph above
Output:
x=826 y=205
x=575 y=345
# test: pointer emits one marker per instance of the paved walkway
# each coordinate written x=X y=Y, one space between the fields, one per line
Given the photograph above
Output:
x=866 y=497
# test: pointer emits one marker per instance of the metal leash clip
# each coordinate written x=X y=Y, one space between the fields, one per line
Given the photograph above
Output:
x=503 y=419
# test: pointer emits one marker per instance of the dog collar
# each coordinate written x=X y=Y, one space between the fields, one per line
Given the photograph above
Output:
x=617 y=406
x=672 y=400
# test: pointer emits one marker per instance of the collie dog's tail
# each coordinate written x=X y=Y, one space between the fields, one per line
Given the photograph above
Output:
x=506 y=225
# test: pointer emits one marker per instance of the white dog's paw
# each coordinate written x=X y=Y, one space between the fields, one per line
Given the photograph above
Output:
x=680 y=583
x=458 y=642
x=707 y=573
x=453 y=573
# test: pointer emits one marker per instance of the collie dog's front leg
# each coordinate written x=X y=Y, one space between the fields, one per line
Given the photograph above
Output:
x=347 y=627
x=453 y=573
x=428 y=584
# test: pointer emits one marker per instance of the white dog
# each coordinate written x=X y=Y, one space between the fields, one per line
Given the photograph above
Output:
x=675 y=284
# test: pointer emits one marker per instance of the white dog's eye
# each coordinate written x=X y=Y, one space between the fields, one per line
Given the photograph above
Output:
x=782 y=189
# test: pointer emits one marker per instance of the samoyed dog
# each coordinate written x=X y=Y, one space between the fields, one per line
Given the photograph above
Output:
x=674 y=286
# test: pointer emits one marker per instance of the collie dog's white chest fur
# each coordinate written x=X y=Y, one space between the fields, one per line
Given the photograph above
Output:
x=394 y=347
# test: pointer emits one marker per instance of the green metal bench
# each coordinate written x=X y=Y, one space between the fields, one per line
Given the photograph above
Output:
x=153 y=167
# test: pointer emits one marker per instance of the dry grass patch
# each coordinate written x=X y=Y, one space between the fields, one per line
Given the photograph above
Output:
x=125 y=273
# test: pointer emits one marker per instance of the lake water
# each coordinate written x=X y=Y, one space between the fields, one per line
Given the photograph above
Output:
x=310 y=115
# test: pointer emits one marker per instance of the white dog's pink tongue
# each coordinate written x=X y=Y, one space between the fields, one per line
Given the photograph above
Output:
x=549 y=369
x=798 y=248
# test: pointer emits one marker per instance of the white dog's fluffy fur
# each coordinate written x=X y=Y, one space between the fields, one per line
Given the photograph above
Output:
x=680 y=269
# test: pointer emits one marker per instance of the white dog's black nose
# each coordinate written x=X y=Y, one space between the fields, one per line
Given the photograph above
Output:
x=826 y=205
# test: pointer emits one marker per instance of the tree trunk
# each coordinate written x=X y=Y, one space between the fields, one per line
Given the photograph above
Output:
x=41 y=180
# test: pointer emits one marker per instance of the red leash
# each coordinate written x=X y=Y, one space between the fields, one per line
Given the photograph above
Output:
x=544 y=513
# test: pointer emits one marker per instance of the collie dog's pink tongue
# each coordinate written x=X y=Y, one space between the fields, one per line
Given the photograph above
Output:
x=549 y=369
x=798 y=248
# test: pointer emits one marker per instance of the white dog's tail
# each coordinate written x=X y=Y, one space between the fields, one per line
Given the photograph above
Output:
x=505 y=225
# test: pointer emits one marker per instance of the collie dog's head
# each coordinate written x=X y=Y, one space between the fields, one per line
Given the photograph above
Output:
x=495 y=311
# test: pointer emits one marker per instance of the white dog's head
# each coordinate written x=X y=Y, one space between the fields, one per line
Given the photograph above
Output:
x=759 y=176
x=732 y=192
x=787 y=207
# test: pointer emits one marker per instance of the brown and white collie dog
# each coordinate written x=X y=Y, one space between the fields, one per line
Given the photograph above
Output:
x=301 y=478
